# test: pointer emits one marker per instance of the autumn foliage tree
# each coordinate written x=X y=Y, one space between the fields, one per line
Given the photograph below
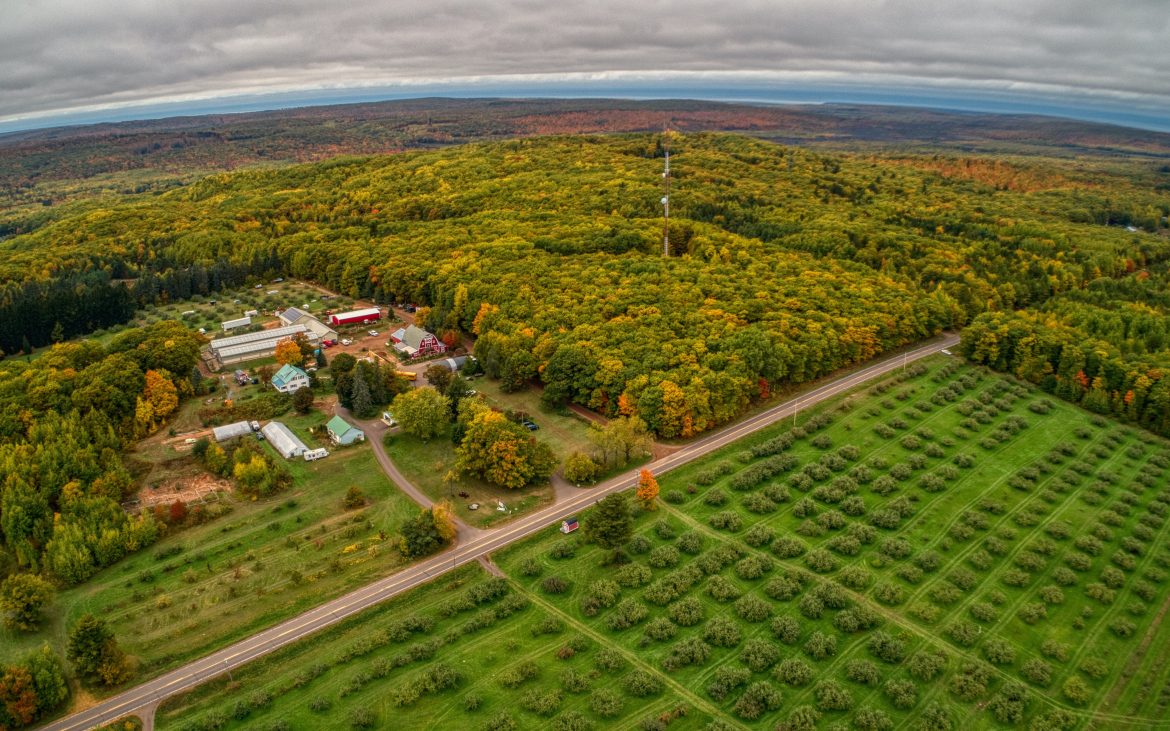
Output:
x=499 y=451
x=21 y=598
x=31 y=688
x=647 y=492
x=444 y=516
x=289 y=353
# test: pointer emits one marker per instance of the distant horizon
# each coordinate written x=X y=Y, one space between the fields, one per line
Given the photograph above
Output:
x=1093 y=110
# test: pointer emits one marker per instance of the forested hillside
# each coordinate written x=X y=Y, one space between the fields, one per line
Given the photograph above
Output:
x=785 y=265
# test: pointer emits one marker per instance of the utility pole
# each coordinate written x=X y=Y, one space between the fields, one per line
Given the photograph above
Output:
x=666 y=193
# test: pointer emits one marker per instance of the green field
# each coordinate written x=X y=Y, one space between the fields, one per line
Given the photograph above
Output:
x=960 y=552
x=264 y=561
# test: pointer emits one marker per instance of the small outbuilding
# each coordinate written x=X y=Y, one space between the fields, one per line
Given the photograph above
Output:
x=237 y=323
x=289 y=378
x=228 y=432
x=568 y=525
x=283 y=440
x=343 y=433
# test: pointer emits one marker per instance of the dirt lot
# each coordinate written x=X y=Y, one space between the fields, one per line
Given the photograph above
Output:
x=191 y=489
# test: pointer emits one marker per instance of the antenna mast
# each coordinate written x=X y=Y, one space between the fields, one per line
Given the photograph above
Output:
x=666 y=193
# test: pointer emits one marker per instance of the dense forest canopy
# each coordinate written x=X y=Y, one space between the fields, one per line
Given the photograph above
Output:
x=786 y=264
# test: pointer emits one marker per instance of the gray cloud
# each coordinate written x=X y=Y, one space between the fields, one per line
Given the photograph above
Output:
x=58 y=55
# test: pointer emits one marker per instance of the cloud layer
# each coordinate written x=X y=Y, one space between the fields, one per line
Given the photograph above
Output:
x=59 y=55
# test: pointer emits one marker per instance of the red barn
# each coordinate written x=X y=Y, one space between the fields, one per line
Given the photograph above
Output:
x=356 y=317
x=415 y=342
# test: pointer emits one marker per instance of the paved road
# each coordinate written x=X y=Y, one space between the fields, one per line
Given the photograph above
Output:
x=194 y=673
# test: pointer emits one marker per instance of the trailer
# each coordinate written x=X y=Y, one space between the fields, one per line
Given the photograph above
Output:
x=311 y=455
x=356 y=317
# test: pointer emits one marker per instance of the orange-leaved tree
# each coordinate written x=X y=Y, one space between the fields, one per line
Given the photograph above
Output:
x=647 y=492
x=288 y=352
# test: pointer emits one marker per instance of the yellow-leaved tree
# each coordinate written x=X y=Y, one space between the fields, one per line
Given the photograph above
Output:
x=289 y=353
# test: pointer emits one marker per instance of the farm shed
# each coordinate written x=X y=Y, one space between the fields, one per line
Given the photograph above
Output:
x=370 y=314
x=234 y=324
x=228 y=432
x=283 y=440
x=249 y=346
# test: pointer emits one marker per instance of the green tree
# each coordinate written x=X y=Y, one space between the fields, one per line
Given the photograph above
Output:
x=302 y=400
x=439 y=376
x=420 y=536
x=354 y=498
x=360 y=397
x=610 y=524
x=21 y=598
x=580 y=468
x=621 y=440
x=422 y=412
x=94 y=652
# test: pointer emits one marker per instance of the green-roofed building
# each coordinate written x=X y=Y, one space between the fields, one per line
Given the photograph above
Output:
x=343 y=433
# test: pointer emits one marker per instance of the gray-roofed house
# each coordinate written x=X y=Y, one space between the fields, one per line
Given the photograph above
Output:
x=291 y=315
x=283 y=440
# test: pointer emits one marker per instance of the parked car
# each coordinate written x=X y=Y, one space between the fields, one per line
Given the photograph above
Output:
x=373 y=333
x=346 y=341
x=410 y=308
x=530 y=425
x=255 y=426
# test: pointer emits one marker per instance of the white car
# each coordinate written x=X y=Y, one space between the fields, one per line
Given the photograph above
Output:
x=346 y=341
x=373 y=333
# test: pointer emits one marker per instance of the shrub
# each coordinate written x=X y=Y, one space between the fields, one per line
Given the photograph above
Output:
x=541 y=702
x=903 y=694
x=862 y=671
x=721 y=631
x=721 y=590
x=690 y=542
x=788 y=547
x=601 y=594
x=1037 y=671
x=886 y=647
x=820 y=561
x=1076 y=691
x=970 y=682
x=605 y=703
x=759 y=698
x=752 y=567
x=727 y=679
x=633 y=575
x=752 y=609
x=759 y=535
x=628 y=613
x=925 y=665
x=727 y=520
x=999 y=652
x=641 y=684
x=759 y=654
x=660 y=629
x=686 y=612
x=715 y=498
x=820 y=646
x=639 y=545
x=663 y=557
x=1009 y=703
x=609 y=660
x=786 y=629
x=519 y=674
x=573 y=681
x=832 y=696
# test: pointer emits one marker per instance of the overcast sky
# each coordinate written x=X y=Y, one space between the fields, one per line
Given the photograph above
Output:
x=59 y=56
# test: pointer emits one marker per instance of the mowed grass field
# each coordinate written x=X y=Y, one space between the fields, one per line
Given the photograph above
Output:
x=948 y=550
x=204 y=587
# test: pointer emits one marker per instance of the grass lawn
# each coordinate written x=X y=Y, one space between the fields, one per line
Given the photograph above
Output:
x=426 y=463
x=562 y=429
x=266 y=560
x=950 y=545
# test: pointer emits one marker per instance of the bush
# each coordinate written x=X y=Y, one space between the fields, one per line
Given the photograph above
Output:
x=999 y=652
x=794 y=672
x=759 y=654
x=788 y=547
x=758 y=699
x=633 y=575
x=628 y=613
x=639 y=545
x=820 y=646
x=1076 y=691
x=886 y=647
x=970 y=682
x=690 y=542
x=601 y=594
x=752 y=567
x=925 y=665
x=862 y=671
x=663 y=557
x=725 y=680
x=831 y=696
x=541 y=702
x=690 y=651
x=686 y=612
x=786 y=629
x=727 y=520
x=605 y=703
x=573 y=681
x=721 y=631
x=1037 y=671
x=641 y=684
x=753 y=609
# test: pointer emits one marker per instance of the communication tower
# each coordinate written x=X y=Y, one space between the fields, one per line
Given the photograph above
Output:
x=666 y=194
